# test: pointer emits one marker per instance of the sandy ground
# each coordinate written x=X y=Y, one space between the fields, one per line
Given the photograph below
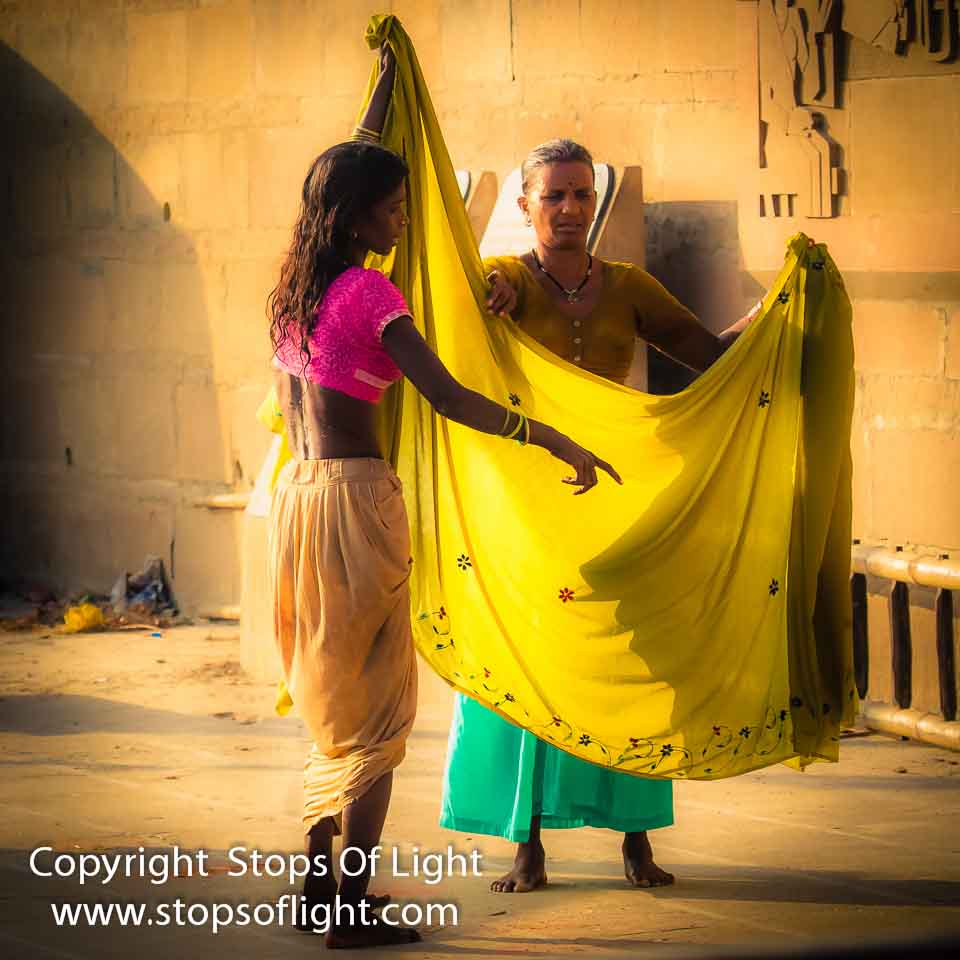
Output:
x=114 y=741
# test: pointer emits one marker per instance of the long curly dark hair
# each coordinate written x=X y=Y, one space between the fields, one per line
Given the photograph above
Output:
x=344 y=184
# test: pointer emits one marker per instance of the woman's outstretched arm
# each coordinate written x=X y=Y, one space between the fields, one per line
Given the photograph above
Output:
x=726 y=337
x=451 y=399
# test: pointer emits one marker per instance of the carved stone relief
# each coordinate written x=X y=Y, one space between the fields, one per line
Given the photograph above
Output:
x=797 y=74
x=798 y=41
x=930 y=25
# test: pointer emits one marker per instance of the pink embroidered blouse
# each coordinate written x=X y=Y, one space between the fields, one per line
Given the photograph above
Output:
x=346 y=352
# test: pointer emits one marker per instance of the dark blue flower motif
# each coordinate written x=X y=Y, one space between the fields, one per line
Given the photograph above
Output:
x=508 y=697
x=514 y=399
x=817 y=264
x=783 y=296
x=666 y=750
x=764 y=400
x=585 y=740
x=463 y=561
x=774 y=587
x=744 y=732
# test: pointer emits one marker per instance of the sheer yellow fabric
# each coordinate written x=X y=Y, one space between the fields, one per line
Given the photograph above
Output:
x=693 y=622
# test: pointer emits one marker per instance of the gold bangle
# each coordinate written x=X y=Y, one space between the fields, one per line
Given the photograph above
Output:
x=517 y=428
x=506 y=420
x=365 y=133
x=526 y=433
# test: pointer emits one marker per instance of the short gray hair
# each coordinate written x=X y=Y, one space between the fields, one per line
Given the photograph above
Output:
x=553 y=151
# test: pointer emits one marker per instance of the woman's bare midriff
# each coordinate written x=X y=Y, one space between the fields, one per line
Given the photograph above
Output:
x=324 y=424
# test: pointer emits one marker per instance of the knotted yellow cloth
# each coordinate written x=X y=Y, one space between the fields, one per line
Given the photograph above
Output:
x=694 y=622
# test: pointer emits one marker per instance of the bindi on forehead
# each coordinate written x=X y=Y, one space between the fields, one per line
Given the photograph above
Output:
x=570 y=176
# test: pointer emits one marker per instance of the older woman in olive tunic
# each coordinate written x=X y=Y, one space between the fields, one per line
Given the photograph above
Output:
x=501 y=780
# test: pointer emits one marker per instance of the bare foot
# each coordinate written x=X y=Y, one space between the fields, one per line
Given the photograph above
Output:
x=528 y=871
x=372 y=934
x=638 y=865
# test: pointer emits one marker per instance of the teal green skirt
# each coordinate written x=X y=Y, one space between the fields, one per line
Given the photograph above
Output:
x=498 y=776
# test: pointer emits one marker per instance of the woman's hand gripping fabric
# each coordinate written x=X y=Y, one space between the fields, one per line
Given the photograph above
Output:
x=502 y=298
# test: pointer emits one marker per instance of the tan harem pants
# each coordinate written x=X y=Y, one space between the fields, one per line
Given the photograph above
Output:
x=339 y=557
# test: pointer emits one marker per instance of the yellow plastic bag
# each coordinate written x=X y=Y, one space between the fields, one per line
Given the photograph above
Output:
x=82 y=618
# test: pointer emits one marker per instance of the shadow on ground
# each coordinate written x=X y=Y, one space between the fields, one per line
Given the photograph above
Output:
x=711 y=882
x=50 y=715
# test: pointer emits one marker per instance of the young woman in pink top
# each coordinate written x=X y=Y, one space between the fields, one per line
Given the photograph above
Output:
x=339 y=541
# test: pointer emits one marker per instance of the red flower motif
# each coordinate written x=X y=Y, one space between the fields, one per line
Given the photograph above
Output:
x=565 y=594
x=486 y=673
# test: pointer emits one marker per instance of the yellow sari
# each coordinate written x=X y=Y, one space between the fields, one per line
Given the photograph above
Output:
x=693 y=623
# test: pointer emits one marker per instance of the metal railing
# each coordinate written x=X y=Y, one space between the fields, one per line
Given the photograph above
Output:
x=904 y=569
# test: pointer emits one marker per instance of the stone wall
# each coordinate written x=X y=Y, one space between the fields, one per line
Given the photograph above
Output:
x=896 y=135
x=155 y=151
